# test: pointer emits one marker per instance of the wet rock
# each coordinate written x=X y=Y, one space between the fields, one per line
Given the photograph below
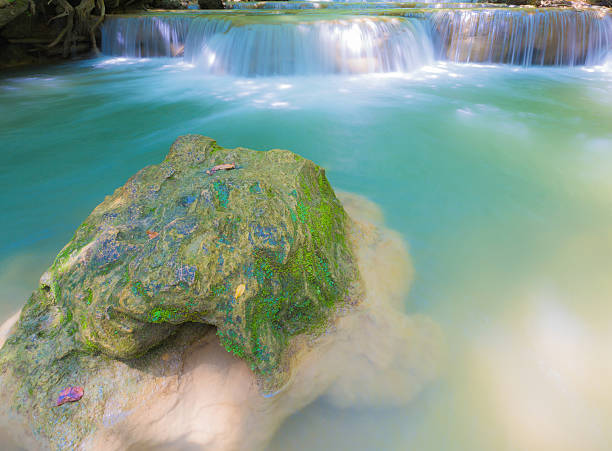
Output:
x=258 y=252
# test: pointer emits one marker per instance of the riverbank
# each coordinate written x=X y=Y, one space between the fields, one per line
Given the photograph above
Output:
x=36 y=32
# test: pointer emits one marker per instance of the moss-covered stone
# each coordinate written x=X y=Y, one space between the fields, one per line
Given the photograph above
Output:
x=174 y=244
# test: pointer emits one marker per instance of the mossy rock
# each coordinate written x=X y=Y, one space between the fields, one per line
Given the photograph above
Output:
x=259 y=252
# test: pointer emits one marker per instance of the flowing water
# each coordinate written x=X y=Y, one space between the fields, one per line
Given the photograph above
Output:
x=496 y=175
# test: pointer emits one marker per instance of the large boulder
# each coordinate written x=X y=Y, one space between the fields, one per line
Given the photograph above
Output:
x=185 y=263
x=257 y=251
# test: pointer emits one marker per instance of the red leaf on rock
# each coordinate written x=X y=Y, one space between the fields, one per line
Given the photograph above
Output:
x=69 y=394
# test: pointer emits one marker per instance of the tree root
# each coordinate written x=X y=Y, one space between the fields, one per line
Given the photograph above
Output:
x=59 y=16
x=92 y=33
x=77 y=23
x=66 y=33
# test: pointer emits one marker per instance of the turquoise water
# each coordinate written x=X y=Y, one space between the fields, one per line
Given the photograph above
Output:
x=496 y=176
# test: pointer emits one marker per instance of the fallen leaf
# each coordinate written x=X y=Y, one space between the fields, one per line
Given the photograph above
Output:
x=152 y=234
x=239 y=290
x=69 y=394
x=221 y=167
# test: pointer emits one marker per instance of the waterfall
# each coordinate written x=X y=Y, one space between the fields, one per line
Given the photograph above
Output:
x=220 y=46
x=144 y=36
x=263 y=45
x=539 y=37
x=362 y=45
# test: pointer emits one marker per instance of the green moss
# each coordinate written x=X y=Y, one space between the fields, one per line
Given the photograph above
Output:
x=163 y=315
x=222 y=191
x=91 y=346
x=138 y=289
x=125 y=279
x=302 y=211
x=57 y=291
x=231 y=345
x=81 y=237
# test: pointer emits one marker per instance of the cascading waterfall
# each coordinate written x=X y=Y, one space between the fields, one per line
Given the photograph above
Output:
x=361 y=45
x=265 y=45
x=352 y=45
x=144 y=36
x=557 y=37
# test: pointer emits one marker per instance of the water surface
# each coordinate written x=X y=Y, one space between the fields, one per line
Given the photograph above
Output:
x=497 y=176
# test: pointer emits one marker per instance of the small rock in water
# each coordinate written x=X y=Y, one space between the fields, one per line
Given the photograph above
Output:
x=221 y=167
x=69 y=394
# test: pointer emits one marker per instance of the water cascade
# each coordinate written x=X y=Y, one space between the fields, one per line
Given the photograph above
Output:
x=557 y=37
x=264 y=45
x=144 y=36
x=352 y=45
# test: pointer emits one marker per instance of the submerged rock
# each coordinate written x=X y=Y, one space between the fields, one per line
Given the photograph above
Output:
x=260 y=252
